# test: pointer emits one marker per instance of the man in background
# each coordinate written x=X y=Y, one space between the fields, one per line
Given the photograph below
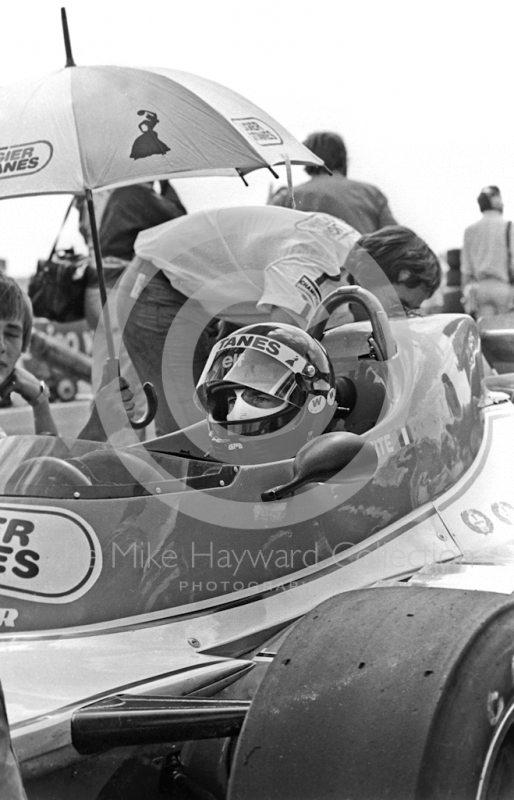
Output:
x=486 y=267
x=361 y=205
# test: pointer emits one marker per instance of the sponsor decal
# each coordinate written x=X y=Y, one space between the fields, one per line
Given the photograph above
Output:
x=309 y=290
x=477 y=521
x=391 y=442
x=8 y=617
x=316 y=404
x=271 y=347
x=257 y=131
x=504 y=512
x=148 y=144
x=329 y=226
x=24 y=159
x=47 y=555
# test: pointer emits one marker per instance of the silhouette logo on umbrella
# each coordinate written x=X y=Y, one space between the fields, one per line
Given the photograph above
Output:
x=148 y=144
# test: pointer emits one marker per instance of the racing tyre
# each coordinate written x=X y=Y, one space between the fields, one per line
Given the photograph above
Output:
x=386 y=693
x=66 y=389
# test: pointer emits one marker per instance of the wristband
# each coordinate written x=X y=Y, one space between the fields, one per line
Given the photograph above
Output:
x=44 y=394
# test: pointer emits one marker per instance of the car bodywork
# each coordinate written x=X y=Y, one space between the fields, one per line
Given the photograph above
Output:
x=166 y=575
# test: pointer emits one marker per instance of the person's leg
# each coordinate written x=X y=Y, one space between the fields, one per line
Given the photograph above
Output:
x=163 y=357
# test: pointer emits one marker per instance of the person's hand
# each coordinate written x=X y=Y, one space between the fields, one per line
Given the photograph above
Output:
x=111 y=396
x=469 y=298
x=23 y=383
x=127 y=397
x=112 y=408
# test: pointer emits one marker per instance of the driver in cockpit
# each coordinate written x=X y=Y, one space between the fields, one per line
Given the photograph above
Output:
x=267 y=389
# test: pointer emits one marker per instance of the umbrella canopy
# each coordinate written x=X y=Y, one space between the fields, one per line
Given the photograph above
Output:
x=87 y=128
x=100 y=126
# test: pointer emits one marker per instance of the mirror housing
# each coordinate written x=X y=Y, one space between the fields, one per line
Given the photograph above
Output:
x=346 y=455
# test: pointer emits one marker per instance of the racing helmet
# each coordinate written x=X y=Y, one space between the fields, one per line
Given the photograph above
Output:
x=267 y=389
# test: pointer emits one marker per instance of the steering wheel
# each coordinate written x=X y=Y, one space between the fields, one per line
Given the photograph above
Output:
x=45 y=475
x=111 y=468
x=383 y=340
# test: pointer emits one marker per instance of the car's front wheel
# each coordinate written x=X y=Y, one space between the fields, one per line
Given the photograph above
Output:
x=386 y=693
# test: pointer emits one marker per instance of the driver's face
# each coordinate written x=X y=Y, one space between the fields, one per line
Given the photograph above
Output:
x=253 y=398
x=411 y=298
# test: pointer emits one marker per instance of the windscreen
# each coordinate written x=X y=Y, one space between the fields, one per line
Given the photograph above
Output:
x=52 y=467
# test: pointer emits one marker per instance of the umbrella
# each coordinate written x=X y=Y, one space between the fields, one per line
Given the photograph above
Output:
x=102 y=126
x=95 y=127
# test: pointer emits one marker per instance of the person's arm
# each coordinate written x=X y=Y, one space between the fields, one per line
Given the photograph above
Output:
x=113 y=407
x=290 y=299
x=510 y=254
x=467 y=273
x=36 y=394
x=281 y=315
x=280 y=198
x=385 y=216
x=468 y=280
x=170 y=193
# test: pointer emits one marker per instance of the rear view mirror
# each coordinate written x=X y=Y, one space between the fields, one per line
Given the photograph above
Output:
x=345 y=455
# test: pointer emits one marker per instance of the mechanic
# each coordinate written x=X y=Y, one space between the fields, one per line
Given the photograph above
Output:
x=15 y=332
x=409 y=273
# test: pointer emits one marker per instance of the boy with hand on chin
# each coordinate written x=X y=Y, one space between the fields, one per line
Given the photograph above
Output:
x=15 y=332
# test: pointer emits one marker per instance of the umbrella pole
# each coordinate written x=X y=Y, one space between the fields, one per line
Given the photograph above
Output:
x=67 y=42
x=112 y=361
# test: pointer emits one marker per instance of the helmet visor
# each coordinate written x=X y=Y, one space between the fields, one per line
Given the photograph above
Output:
x=251 y=368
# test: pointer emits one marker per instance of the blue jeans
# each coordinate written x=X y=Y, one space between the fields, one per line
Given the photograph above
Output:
x=166 y=338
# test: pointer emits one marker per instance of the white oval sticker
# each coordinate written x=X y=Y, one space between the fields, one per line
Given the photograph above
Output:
x=24 y=159
x=47 y=555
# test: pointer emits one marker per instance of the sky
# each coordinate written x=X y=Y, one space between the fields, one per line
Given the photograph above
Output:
x=421 y=91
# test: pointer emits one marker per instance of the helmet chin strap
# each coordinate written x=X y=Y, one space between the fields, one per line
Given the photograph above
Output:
x=242 y=411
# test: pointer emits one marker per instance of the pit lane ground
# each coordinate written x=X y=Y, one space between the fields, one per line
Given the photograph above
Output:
x=69 y=417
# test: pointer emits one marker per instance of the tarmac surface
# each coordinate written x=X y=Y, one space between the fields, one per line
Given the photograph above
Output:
x=69 y=417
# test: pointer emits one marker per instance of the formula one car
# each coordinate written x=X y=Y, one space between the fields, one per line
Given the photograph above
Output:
x=340 y=624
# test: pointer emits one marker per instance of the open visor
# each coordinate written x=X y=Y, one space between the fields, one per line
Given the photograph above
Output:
x=246 y=367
